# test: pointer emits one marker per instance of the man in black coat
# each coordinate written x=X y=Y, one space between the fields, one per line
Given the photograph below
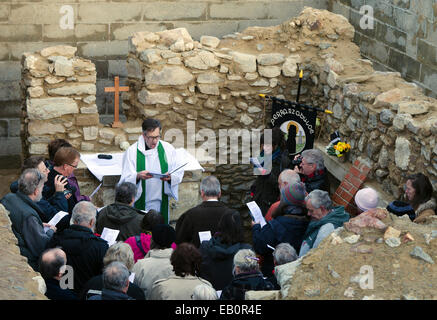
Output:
x=204 y=217
x=312 y=171
x=84 y=250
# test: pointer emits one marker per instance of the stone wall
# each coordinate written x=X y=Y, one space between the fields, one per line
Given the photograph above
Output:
x=403 y=38
x=100 y=29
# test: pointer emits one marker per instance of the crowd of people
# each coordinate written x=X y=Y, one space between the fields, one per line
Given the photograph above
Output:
x=152 y=260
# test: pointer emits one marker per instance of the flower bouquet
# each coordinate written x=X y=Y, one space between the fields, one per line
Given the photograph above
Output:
x=337 y=147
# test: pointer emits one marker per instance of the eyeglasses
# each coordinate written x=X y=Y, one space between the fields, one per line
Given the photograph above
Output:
x=152 y=138
x=75 y=167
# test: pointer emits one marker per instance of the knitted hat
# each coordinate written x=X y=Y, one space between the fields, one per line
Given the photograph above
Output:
x=366 y=199
x=293 y=194
x=400 y=208
x=163 y=235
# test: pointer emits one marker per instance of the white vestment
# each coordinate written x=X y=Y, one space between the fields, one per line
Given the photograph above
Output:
x=153 y=185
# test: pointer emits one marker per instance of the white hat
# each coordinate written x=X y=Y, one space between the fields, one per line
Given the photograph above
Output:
x=366 y=199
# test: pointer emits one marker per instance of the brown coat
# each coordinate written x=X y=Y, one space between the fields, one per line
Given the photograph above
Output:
x=425 y=210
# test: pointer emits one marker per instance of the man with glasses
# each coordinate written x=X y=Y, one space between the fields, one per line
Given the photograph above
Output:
x=152 y=155
x=23 y=212
x=312 y=170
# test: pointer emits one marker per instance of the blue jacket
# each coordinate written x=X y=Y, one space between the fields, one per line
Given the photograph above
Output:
x=49 y=207
x=286 y=228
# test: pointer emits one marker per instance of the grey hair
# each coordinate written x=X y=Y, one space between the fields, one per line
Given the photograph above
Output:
x=83 y=212
x=284 y=253
x=319 y=198
x=204 y=292
x=246 y=261
x=210 y=186
x=289 y=176
x=124 y=192
x=314 y=156
x=115 y=276
x=121 y=252
x=30 y=180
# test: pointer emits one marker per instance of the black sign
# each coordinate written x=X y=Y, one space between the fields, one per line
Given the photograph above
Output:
x=297 y=123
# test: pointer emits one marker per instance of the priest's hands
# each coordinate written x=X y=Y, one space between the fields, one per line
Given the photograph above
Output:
x=143 y=175
x=167 y=178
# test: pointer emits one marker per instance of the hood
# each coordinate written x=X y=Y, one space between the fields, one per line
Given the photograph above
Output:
x=430 y=204
x=221 y=251
x=120 y=213
x=337 y=217
x=14 y=187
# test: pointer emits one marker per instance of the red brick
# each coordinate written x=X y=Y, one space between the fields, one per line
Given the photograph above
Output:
x=357 y=163
x=355 y=172
x=346 y=196
x=355 y=182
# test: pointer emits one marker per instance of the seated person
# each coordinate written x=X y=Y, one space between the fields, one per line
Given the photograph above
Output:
x=84 y=250
x=52 y=265
x=312 y=170
x=185 y=261
x=156 y=264
x=247 y=276
x=366 y=199
x=287 y=177
x=49 y=207
x=115 y=283
x=284 y=253
x=25 y=216
x=121 y=215
x=65 y=162
x=141 y=244
x=288 y=225
x=120 y=252
x=418 y=192
x=274 y=159
x=324 y=219
x=205 y=216
x=218 y=253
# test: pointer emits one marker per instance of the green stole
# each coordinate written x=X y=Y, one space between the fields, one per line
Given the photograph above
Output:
x=141 y=165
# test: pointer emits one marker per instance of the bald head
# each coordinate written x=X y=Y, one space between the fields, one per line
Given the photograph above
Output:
x=52 y=262
x=288 y=177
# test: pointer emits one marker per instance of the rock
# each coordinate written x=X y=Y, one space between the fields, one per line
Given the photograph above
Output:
x=48 y=108
x=74 y=89
x=332 y=79
x=368 y=219
x=253 y=109
x=333 y=273
x=312 y=291
x=388 y=98
x=169 y=76
x=245 y=119
x=149 y=98
x=36 y=128
x=393 y=242
x=336 y=239
x=66 y=51
x=211 y=89
x=269 y=71
x=420 y=254
x=391 y=233
x=386 y=116
x=203 y=61
x=90 y=133
x=86 y=146
x=289 y=68
x=178 y=46
x=337 y=111
x=251 y=76
x=38 y=148
x=89 y=109
x=168 y=37
x=150 y=56
x=35 y=92
x=270 y=59
x=361 y=248
x=402 y=153
x=244 y=62
x=107 y=134
x=414 y=108
x=209 y=77
x=334 y=65
x=124 y=145
x=349 y=292
x=175 y=61
x=260 y=83
x=384 y=158
x=401 y=120
x=63 y=67
x=134 y=69
x=352 y=239
x=407 y=238
x=209 y=41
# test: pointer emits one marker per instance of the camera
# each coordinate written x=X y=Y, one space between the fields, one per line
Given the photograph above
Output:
x=296 y=162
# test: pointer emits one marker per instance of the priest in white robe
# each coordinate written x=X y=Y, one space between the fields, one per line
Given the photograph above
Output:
x=152 y=155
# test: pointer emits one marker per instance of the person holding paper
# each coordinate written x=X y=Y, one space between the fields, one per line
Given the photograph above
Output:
x=24 y=214
x=204 y=217
x=274 y=159
x=84 y=250
x=288 y=225
x=148 y=156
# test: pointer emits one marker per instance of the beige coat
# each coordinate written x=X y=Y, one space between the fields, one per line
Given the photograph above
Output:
x=155 y=265
x=176 y=288
x=425 y=210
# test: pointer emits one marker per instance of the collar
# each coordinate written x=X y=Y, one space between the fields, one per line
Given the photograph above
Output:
x=314 y=174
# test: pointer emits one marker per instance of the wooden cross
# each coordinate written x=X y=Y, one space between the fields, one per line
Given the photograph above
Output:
x=116 y=89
